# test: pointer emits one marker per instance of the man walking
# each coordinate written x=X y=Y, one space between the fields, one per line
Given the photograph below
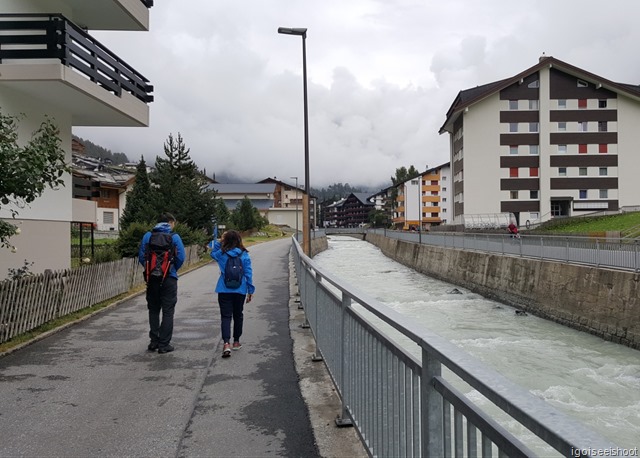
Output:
x=162 y=254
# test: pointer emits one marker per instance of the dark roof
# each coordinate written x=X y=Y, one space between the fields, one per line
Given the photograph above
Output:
x=468 y=97
x=362 y=197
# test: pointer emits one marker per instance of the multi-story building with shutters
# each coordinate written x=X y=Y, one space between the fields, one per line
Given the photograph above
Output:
x=51 y=66
x=423 y=201
x=554 y=140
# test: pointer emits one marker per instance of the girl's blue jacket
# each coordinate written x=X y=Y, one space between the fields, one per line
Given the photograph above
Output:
x=247 y=281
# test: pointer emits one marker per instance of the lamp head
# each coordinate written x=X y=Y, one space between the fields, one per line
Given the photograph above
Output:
x=293 y=31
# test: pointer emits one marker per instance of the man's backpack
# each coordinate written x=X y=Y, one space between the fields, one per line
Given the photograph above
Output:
x=159 y=255
x=233 y=272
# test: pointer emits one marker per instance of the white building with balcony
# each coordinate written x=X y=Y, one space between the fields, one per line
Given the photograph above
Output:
x=51 y=66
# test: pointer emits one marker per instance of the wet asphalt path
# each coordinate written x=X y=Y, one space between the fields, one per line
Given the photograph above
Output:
x=93 y=389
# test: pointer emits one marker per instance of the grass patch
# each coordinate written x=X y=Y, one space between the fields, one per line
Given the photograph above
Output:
x=624 y=222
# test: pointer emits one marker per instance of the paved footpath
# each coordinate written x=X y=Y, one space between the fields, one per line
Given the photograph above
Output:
x=92 y=389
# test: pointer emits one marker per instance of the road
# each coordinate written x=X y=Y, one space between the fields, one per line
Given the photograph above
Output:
x=93 y=390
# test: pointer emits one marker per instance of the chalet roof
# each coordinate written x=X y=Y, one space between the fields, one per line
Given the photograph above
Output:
x=363 y=197
x=468 y=97
x=105 y=178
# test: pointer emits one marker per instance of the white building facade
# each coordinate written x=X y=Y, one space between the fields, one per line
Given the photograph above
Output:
x=552 y=141
x=66 y=75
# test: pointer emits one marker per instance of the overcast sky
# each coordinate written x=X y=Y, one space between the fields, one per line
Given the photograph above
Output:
x=381 y=76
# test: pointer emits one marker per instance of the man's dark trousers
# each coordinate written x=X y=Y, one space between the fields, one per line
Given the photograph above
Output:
x=161 y=297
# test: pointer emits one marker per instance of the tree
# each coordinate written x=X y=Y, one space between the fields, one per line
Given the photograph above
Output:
x=140 y=207
x=180 y=188
x=27 y=171
x=246 y=216
x=404 y=174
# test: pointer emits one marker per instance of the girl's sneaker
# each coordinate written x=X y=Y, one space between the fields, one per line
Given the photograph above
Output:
x=226 y=350
x=237 y=345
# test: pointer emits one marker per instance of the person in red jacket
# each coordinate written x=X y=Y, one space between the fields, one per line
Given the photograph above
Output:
x=513 y=230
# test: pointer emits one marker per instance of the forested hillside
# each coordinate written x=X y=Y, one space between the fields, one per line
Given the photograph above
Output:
x=93 y=150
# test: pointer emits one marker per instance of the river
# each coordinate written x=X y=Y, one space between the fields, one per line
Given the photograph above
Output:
x=595 y=381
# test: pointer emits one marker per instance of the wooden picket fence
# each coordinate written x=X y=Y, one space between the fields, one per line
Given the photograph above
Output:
x=29 y=302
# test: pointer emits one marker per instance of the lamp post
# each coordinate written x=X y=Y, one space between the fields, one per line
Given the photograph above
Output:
x=306 y=204
x=296 y=178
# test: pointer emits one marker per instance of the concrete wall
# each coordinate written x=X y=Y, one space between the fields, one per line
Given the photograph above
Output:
x=599 y=301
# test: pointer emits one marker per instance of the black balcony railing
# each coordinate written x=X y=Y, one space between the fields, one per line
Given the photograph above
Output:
x=52 y=36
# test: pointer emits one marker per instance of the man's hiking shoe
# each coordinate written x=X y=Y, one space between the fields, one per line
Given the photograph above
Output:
x=226 y=350
x=153 y=346
x=165 y=349
x=237 y=345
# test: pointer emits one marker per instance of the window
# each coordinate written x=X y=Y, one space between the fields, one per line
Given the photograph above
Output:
x=583 y=193
x=562 y=126
x=513 y=127
x=602 y=126
x=562 y=104
x=582 y=171
x=582 y=149
x=513 y=172
x=444 y=189
x=533 y=84
x=533 y=104
x=533 y=149
x=562 y=171
x=582 y=83
x=533 y=171
x=604 y=193
x=602 y=103
x=414 y=182
x=444 y=210
x=533 y=194
x=434 y=182
x=533 y=127
x=583 y=126
x=603 y=172
x=562 y=149
x=602 y=148
x=513 y=104
x=513 y=195
x=107 y=217
x=582 y=103
x=513 y=149
x=444 y=199
x=434 y=215
x=104 y=194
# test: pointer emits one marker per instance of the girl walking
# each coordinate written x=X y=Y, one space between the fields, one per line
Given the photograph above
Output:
x=234 y=286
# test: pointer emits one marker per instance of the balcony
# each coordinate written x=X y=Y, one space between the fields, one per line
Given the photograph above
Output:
x=49 y=58
x=92 y=14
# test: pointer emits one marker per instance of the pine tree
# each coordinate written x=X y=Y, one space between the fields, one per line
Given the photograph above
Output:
x=140 y=205
x=180 y=188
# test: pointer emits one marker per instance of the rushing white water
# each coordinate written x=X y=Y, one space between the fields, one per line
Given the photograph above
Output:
x=595 y=381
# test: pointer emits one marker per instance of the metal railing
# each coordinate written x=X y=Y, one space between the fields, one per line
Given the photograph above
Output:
x=615 y=253
x=52 y=36
x=399 y=400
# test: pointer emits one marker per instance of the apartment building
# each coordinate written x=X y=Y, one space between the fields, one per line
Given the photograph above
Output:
x=51 y=66
x=423 y=201
x=554 y=140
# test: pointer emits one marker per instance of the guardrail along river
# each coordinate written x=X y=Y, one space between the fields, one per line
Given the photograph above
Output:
x=595 y=381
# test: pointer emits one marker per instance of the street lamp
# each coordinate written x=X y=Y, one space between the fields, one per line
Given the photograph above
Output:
x=296 y=178
x=306 y=223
